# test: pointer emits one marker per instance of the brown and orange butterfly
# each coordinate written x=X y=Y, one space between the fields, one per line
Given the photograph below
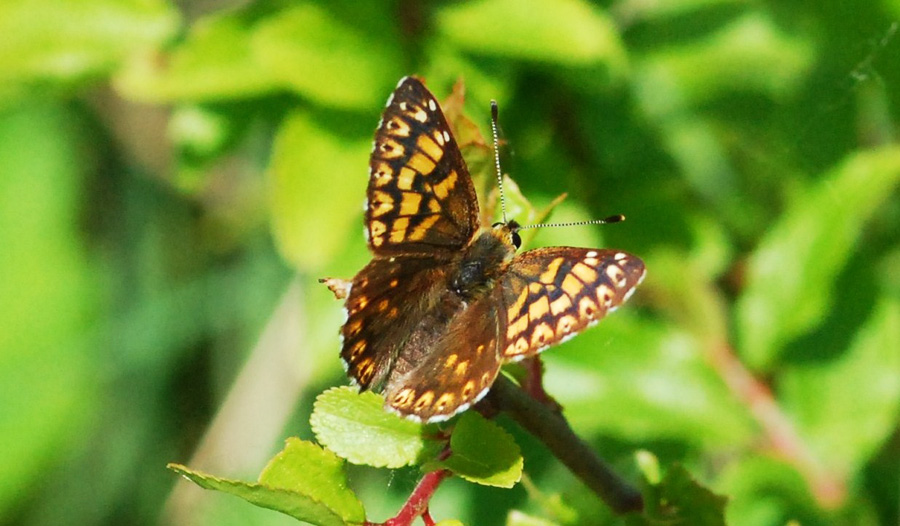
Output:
x=444 y=301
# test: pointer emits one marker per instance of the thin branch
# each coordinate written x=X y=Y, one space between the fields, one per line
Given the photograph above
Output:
x=417 y=503
x=829 y=489
x=254 y=413
x=554 y=431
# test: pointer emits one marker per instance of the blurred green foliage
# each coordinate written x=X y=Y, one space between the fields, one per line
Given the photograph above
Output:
x=175 y=178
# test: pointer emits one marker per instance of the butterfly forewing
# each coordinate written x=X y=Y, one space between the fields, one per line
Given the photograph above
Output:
x=421 y=198
x=551 y=294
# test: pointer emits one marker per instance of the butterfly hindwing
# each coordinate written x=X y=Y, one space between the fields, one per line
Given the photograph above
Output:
x=457 y=370
x=551 y=294
x=421 y=198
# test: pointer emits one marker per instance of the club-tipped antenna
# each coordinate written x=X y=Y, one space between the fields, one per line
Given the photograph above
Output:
x=494 y=113
x=611 y=219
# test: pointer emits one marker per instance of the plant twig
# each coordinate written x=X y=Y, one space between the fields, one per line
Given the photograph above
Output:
x=417 y=503
x=554 y=431
x=829 y=489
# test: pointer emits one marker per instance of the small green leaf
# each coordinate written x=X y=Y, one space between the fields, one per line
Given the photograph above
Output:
x=679 y=499
x=483 y=452
x=649 y=466
x=357 y=428
x=326 y=60
x=518 y=518
x=826 y=397
x=303 y=481
x=311 y=227
x=590 y=36
x=792 y=272
x=305 y=468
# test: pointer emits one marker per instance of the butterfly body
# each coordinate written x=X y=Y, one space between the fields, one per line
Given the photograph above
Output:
x=444 y=301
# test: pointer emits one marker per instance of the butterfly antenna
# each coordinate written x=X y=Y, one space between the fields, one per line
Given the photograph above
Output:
x=611 y=219
x=494 y=113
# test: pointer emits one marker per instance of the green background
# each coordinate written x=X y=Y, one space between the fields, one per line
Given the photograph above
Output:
x=175 y=177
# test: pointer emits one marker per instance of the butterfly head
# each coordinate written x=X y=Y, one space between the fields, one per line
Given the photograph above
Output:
x=507 y=233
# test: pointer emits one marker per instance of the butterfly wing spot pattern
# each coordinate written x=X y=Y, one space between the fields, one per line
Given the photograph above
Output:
x=445 y=302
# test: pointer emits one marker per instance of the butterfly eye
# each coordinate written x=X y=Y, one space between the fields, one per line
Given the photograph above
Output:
x=516 y=239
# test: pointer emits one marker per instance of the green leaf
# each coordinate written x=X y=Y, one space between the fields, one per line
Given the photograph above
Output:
x=483 y=452
x=303 y=481
x=47 y=42
x=826 y=398
x=518 y=518
x=652 y=382
x=748 y=55
x=590 y=36
x=51 y=297
x=215 y=62
x=649 y=467
x=298 y=505
x=658 y=12
x=307 y=469
x=765 y=490
x=357 y=428
x=315 y=175
x=679 y=499
x=791 y=275
x=328 y=61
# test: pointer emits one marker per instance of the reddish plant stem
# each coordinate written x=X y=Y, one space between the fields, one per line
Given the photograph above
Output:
x=829 y=489
x=417 y=503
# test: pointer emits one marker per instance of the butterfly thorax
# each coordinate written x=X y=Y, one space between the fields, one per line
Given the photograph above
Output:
x=484 y=259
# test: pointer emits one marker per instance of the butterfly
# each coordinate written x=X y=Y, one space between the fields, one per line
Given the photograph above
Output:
x=445 y=302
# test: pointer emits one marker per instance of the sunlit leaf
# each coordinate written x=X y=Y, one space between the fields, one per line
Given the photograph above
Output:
x=749 y=54
x=826 y=397
x=305 y=468
x=326 y=60
x=357 y=428
x=47 y=43
x=317 y=190
x=49 y=295
x=652 y=382
x=303 y=481
x=658 y=11
x=791 y=274
x=518 y=518
x=482 y=452
x=535 y=33
x=215 y=62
